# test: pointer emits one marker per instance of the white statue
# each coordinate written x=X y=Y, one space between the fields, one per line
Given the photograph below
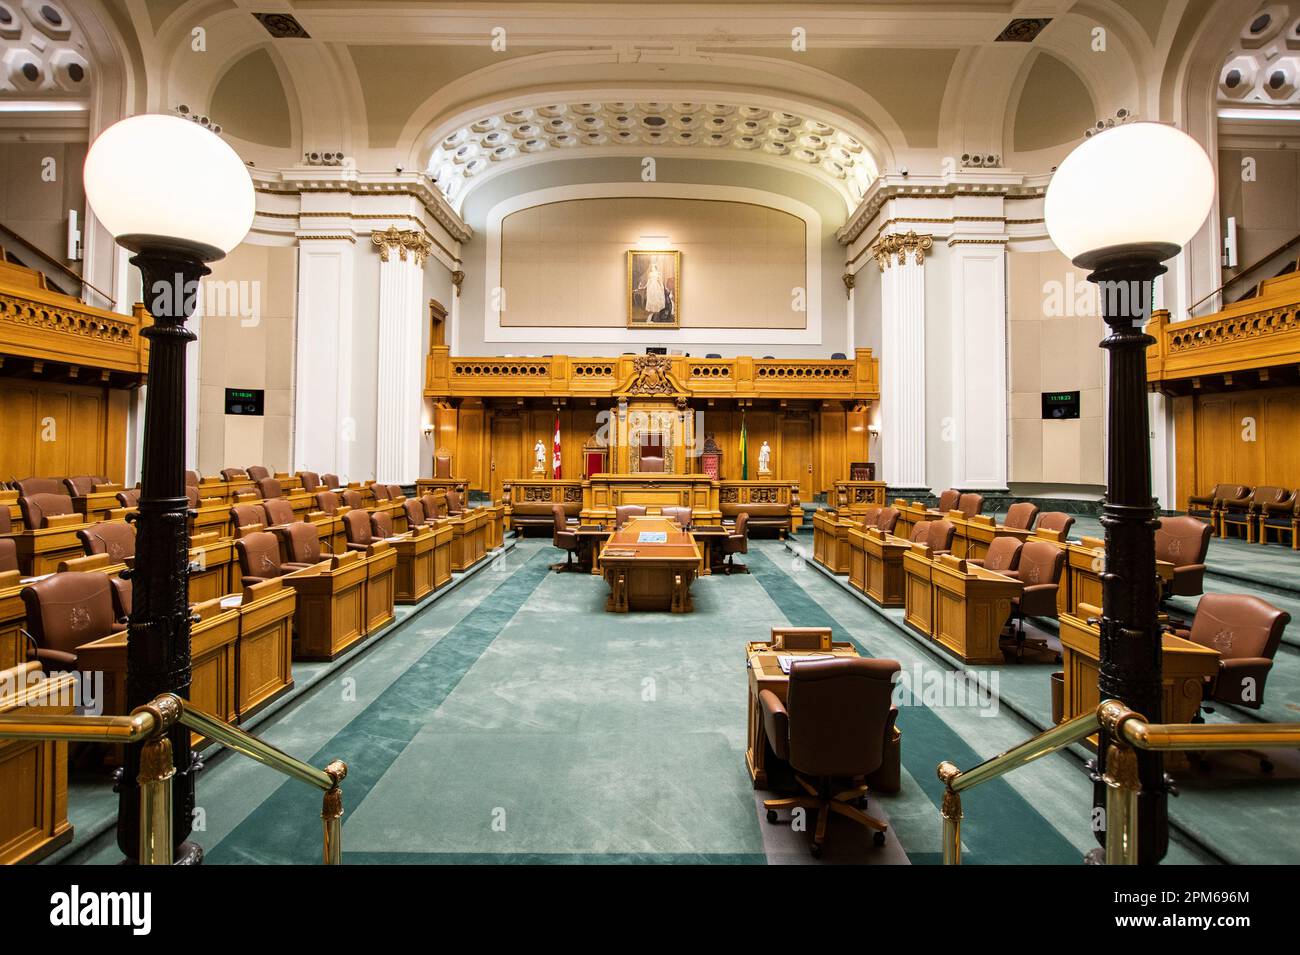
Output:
x=539 y=452
x=764 y=458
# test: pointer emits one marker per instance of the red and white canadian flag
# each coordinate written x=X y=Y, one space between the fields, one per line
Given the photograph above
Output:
x=555 y=461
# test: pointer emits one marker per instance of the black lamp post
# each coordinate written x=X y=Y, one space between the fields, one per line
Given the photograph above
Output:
x=1119 y=206
x=178 y=196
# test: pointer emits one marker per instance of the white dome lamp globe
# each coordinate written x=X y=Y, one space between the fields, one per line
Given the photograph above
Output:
x=164 y=183
x=1132 y=194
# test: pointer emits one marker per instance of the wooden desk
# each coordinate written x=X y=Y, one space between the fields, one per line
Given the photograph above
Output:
x=646 y=576
x=40 y=551
x=330 y=613
x=856 y=539
x=971 y=606
x=13 y=618
x=211 y=515
x=34 y=773
x=213 y=664
x=333 y=539
x=414 y=580
x=1084 y=563
x=381 y=568
x=1184 y=669
x=918 y=594
x=494 y=528
x=591 y=538
x=765 y=674
x=9 y=501
x=710 y=538
x=98 y=504
x=831 y=541
x=442 y=536
x=602 y=493
x=884 y=567
x=469 y=538
x=909 y=515
x=265 y=651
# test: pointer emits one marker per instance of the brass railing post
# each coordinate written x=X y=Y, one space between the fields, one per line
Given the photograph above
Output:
x=1122 y=789
x=331 y=813
x=952 y=815
x=157 y=769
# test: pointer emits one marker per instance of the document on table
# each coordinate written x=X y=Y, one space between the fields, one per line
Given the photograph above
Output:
x=652 y=537
x=786 y=659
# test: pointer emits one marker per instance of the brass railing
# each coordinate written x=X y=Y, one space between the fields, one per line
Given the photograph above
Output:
x=1128 y=731
x=149 y=726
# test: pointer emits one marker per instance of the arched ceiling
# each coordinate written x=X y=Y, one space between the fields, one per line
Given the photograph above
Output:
x=1262 y=70
x=842 y=91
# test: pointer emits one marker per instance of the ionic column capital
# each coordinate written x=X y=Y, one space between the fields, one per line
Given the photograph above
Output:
x=403 y=241
x=895 y=248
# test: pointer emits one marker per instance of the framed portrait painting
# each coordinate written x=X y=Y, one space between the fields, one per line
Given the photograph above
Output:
x=654 y=283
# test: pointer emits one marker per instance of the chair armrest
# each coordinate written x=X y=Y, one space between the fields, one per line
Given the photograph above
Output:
x=1039 y=600
x=776 y=723
x=1189 y=580
x=1230 y=686
x=361 y=547
x=1284 y=509
x=58 y=657
x=976 y=562
x=1201 y=499
x=249 y=580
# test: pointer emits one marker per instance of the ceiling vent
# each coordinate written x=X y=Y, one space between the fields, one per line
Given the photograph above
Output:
x=1024 y=30
x=282 y=26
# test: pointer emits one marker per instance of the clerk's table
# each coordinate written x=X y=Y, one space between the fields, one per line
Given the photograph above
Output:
x=649 y=564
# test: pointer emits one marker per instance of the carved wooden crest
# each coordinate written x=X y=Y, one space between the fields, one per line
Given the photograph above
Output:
x=652 y=377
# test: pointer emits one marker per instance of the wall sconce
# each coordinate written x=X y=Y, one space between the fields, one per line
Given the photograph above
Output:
x=428 y=430
x=654 y=242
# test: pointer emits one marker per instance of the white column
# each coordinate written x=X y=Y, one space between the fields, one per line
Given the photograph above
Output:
x=902 y=370
x=399 y=394
x=324 y=433
x=977 y=273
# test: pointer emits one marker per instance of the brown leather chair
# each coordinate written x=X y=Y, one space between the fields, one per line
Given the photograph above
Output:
x=939 y=539
x=192 y=478
x=192 y=498
x=330 y=481
x=1041 y=564
x=381 y=525
x=920 y=532
x=563 y=537
x=66 y=610
x=234 y=474
x=414 y=513
x=1057 y=521
x=269 y=488
x=1021 y=516
x=1205 y=507
x=258 y=473
x=1246 y=631
x=652 y=464
x=79 y=486
x=310 y=481
x=948 y=500
x=380 y=491
x=395 y=492
x=887 y=519
x=1184 y=542
x=8 y=554
x=624 y=512
x=37 y=485
x=327 y=501
x=277 y=511
x=1282 y=518
x=833 y=726
x=1003 y=557
x=301 y=545
x=114 y=538
x=454 y=505
x=970 y=504
x=39 y=508
x=259 y=558
x=246 y=515
x=682 y=515
x=431 y=506
x=130 y=497
x=737 y=542
x=441 y=464
x=356 y=528
x=352 y=498
x=1241 y=511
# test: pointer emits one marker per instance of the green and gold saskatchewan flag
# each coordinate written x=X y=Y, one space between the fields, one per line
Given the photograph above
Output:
x=744 y=450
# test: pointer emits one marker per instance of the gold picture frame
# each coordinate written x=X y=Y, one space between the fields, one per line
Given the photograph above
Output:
x=642 y=290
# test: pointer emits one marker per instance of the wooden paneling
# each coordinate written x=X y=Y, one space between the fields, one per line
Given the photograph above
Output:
x=53 y=430
x=1214 y=439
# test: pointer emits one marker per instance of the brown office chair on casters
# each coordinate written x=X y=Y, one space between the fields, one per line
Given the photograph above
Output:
x=301 y=544
x=887 y=519
x=1246 y=631
x=278 y=511
x=1021 y=516
x=1184 y=542
x=257 y=472
x=66 y=610
x=737 y=542
x=1041 y=564
x=1057 y=521
x=330 y=481
x=832 y=726
x=948 y=500
x=1003 y=557
x=682 y=515
x=114 y=538
x=563 y=537
x=310 y=481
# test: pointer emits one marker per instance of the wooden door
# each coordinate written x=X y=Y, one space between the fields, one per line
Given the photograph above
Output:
x=796 y=463
x=507 y=462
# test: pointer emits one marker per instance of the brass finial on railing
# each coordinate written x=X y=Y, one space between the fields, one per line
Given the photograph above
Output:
x=331 y=813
